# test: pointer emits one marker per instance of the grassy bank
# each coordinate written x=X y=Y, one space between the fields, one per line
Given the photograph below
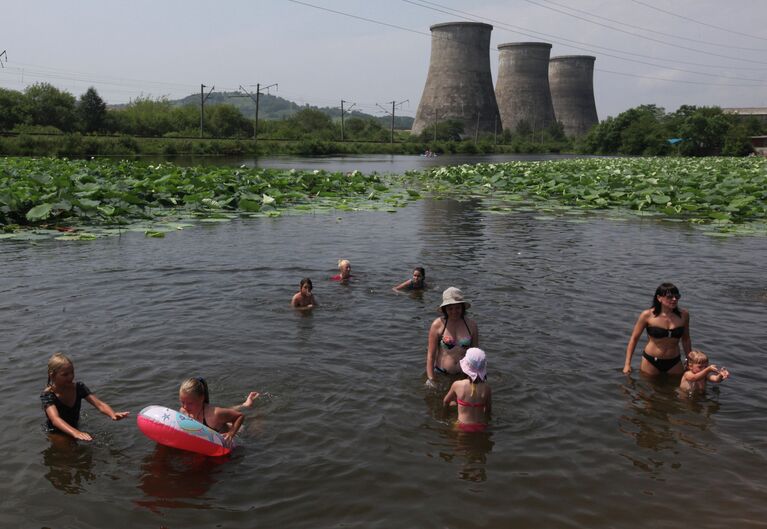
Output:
x=77 y=146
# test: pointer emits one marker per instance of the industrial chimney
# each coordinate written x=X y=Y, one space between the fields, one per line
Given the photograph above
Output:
x=459 y=84
x=522 y=89
x=571 y=78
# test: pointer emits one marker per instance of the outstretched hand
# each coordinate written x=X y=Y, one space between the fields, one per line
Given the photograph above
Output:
x=83 y=436
x=252 y=396
x=119 y=415
x=430 y=384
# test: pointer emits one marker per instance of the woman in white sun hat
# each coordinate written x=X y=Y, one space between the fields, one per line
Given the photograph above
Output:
x=450 y=336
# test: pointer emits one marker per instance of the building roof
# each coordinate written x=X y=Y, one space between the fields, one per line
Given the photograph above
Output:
x=747 y=111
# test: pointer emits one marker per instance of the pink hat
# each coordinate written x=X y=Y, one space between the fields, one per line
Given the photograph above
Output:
x=474 y=364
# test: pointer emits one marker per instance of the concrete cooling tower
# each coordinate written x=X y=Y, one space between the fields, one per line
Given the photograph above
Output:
x=522 y=89
x=459 y=84
x=571 y=79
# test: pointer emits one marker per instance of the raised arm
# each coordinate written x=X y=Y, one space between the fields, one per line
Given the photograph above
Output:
x=639 y=326
x=719 y=375
x=689 y=376
x=105 y=408
x=252 y=396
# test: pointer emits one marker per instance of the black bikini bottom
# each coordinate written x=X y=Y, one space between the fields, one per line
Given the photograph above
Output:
x=662 y=364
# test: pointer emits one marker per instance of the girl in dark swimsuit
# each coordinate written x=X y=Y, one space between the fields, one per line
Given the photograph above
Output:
x=667 y=326
x=195 y=402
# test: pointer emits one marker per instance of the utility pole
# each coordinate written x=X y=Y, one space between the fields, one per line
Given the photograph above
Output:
x=203 y=98
x=476 y=129
x=394 y=105
x=255 y=100
x=258 y=97
x=495 y=130
x=3 y=54
x=342 y=116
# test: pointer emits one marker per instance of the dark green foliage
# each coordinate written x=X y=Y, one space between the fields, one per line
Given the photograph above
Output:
x=92 y=111
x=44 y=104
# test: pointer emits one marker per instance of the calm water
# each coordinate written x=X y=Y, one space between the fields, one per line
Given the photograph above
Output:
x=366 y=163
x=346 y=435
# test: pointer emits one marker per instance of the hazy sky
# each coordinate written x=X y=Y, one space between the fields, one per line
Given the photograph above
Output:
x=715 y=51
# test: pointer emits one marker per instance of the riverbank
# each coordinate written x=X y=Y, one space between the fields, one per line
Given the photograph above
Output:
x=77 y=146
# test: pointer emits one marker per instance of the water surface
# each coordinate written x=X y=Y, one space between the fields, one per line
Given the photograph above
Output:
x=346 y=435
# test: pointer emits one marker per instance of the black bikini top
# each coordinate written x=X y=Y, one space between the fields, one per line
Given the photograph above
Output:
x=662 y=332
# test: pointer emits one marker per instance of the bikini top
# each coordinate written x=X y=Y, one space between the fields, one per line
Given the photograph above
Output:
x=662 y=332
x=463 y=342
x=470 y=404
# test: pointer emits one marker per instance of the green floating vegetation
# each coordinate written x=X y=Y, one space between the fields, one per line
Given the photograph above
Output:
x=85 y=199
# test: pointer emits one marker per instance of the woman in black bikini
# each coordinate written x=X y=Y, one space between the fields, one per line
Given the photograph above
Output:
x=450 y=336
x=667 y=325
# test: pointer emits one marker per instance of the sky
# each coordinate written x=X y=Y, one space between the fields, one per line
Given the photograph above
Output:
x=370 y=53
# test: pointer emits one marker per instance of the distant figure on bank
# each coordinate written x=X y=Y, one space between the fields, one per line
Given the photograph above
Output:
x=344 y=271
x=195 y=403
x=667 y=327
x=449 y=337
x=62 y=398
x=417 y=282
x=472 y=395
x=699 y=371
x=304 y=299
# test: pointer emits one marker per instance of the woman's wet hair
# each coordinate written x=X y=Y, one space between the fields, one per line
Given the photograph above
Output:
x=306 y=281
x=420 y=269
x=55 y=362
x=196 y=386
x=663 y=290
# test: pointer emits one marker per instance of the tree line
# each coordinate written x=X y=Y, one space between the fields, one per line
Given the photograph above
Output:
x=643 y=130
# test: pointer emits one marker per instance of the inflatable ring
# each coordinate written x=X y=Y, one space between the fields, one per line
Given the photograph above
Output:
x=172 y=428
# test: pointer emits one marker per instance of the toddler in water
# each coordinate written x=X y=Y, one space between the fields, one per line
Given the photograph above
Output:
x=699 y=372
x=195 y=402
x=63 y=396
x=472 y=395
x=304 y=299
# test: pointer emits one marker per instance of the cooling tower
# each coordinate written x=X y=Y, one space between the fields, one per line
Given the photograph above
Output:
x=522 y=89
x=571 y=78
x=459 y=84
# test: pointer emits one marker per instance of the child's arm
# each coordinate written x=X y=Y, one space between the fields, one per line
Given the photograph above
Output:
x=62 y=425
x=719 y=375
x=105 y=408
x=402 y=286
x=253 y=395
x=700 y=375
x=451 y=396
x=230 y=415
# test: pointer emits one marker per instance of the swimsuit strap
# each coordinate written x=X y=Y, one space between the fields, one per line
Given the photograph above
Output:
x=470 y=404
x=203 y=416
x=444 y=328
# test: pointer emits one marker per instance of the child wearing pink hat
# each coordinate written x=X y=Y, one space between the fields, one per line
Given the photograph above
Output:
x=472 y=395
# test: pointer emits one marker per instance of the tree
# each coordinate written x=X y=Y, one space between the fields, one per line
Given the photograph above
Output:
x=92 y=111
x=12 y=105
x=47 y=105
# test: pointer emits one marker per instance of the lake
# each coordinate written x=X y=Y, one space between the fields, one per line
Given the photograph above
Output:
x=345 y=434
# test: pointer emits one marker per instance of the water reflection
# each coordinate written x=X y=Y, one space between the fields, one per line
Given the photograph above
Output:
x=470 y=449
x=169 y=477
x=659 y=418
x=70 y=464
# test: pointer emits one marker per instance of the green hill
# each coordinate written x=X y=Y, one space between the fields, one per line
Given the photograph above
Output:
x=274 y=107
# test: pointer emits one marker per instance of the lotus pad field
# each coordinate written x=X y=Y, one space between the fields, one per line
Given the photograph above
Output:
x=82 y=200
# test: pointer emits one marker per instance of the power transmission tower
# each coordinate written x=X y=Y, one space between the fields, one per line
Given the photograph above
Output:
x=203 y=98
x=342 y=115
x=394 y=105
x=255 y=101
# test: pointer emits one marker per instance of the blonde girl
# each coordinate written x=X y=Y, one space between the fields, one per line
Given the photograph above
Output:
x=195 y=402
x=62 y=398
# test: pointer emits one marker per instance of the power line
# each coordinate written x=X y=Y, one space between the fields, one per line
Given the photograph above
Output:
x=666 y=43
x=708 y=43
x=699 y=22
